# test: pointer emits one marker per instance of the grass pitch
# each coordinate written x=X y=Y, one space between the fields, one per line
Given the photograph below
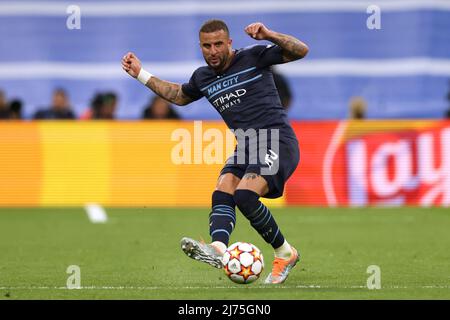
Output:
x=136 y=254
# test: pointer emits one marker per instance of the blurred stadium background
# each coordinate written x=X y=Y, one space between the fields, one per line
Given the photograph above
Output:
x=402 y=69
x=400 y=72
x=398 y=154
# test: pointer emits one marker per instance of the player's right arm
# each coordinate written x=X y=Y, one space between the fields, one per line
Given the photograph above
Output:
x=165 y=89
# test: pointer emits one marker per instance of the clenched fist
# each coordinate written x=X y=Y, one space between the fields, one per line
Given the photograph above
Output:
x=258 y=31
x=131 y=64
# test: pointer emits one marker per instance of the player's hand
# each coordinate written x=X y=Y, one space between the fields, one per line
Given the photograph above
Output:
x=131 y=64
x=258 y=31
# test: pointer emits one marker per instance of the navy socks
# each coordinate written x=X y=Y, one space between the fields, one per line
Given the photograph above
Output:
x=222 y=218
x=259 y=216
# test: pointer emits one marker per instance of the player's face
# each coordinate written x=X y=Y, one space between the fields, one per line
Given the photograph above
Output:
x=216 y=48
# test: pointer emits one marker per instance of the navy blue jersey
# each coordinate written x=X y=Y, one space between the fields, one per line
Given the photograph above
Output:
x=245 y=94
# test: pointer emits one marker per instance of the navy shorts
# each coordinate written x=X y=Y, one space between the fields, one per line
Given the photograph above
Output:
x=274 y=167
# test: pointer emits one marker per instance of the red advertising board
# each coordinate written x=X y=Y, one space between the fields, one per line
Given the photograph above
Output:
x=371 y=163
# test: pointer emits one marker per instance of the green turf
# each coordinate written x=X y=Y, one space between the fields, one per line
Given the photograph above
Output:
x=136 y=255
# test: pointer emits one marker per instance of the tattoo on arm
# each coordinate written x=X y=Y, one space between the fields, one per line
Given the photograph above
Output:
x=293 y=49
x=169 y=91
x=250 y=176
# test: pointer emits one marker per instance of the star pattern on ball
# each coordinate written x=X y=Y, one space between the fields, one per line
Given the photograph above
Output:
x=235 y=253
x=243 y=262
x=246 y=272
x=256 y=254
x=227 y=271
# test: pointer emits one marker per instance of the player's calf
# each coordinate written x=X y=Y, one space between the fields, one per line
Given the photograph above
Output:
x=222 y=218
x=259 y=216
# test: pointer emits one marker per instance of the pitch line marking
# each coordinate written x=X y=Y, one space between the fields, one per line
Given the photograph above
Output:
x=96 y=213
x=220 y=287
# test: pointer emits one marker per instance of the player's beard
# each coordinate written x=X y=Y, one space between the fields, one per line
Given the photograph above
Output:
x=222 y=62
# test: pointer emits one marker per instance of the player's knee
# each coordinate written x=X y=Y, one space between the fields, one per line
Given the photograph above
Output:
x=227 y=183
x=246 y=200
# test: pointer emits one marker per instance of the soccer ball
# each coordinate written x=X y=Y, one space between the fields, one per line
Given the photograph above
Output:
x=243 y=262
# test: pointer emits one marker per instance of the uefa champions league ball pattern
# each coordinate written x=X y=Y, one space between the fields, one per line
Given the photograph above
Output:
x=243 y=262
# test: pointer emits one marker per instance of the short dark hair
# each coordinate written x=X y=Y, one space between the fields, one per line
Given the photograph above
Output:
x=214 y=25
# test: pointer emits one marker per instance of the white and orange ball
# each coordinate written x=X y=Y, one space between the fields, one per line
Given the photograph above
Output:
x=243 y=262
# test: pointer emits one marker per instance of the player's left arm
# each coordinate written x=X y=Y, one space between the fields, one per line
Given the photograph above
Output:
x=293 y=49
